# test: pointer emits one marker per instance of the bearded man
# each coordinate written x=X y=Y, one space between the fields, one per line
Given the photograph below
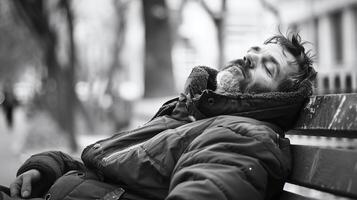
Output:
x=223 y=138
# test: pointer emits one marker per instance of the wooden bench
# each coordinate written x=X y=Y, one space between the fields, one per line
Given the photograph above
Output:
x=330 y=170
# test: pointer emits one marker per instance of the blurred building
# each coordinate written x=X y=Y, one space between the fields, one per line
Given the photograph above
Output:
x=331 y=27
x=247 y=24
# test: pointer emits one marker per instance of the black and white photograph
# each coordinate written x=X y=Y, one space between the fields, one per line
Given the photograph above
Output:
x=178 y=99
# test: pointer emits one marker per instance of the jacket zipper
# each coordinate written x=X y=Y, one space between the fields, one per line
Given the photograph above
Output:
x=110 y=158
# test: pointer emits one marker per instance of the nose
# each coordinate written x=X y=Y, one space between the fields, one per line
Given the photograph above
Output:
x=248 y=61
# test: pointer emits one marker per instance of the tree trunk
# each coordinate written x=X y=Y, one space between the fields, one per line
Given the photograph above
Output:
x=159 y=80
x=58 y=85
x=219 y=22
x=220 y=38
x=68 y=106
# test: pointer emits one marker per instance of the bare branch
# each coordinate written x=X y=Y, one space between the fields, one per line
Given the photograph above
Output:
x=271 y=8
x=208 y=10
x=215 y=16
x=33 y=16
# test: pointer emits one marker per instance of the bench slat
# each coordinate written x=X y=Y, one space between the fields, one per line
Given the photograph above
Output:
x=324 y=133
x=337 y=112
x=291 y=196
x=330 y=170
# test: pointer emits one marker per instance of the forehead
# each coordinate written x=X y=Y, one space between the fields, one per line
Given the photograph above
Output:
x=278 y=52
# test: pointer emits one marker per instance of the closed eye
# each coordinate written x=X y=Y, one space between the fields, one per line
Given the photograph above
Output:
x=270 y=65
x=269 y=71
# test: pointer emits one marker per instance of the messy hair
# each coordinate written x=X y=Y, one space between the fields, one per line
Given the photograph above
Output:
x=306 y=73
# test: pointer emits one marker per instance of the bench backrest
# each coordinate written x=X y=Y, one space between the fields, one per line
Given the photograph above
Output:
x=327 y=169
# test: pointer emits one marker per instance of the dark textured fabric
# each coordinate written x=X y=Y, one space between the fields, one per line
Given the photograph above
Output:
x=5 y=195
x=215 y=157
x=82 y=184
x=224 y=154
x=200 y=78
x=202 y=145
x=5 y=190
x=52 y=165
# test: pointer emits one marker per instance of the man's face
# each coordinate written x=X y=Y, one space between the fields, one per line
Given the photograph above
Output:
x=261 y=70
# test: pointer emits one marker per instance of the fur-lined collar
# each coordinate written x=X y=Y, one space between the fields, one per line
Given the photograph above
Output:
x=279 y=108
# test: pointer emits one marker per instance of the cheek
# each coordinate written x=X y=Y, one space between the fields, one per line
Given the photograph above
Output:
x=259 y=76
x=260 y=82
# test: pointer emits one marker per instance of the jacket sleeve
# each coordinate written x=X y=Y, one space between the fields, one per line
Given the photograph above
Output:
x=228 y=166
x=52 y=165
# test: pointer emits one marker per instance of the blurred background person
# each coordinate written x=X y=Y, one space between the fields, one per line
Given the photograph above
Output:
x=9 y=104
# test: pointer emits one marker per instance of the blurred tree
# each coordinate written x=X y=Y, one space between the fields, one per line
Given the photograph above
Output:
x=159 y=80
x=268 y=5
x=17 y=50
x=51 y=23
x=218 y=20
x=120 y=110
x=176 y=11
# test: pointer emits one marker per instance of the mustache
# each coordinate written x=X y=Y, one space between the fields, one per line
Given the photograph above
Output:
x=239 y=63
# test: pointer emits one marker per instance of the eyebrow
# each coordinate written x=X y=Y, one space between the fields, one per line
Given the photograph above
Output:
x=255 y=48
x=270 y=59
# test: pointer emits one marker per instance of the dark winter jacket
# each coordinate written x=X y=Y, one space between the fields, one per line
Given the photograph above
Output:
x=202 y=145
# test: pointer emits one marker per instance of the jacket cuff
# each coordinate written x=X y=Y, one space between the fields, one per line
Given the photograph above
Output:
x=49 y=173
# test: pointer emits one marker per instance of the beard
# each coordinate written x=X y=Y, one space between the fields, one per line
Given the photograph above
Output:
x=227 y=83
x=230 y=80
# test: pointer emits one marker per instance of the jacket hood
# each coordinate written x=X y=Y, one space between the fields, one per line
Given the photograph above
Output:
x=278 y=108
